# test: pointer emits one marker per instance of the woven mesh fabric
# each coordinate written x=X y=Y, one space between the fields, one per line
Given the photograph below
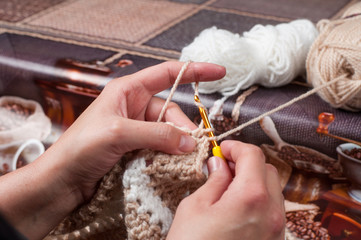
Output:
x=287 y=8
x=115 y=19
x=17 y=10
x=181 y=35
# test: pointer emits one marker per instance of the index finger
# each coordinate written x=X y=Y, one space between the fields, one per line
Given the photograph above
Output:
x=162 y=76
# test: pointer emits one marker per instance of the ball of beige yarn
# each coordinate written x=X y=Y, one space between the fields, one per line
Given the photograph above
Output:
x=336 y=53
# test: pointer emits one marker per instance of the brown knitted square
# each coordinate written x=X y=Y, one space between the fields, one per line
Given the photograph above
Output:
x=114 y=19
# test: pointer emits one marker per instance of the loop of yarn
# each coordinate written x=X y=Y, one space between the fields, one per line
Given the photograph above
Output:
x=336 y=53
x=172 y=91
x=267 y=55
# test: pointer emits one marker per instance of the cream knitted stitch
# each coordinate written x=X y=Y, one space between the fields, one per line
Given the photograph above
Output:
x=152 y=193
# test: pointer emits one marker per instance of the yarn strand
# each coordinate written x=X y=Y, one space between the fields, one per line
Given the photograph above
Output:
x=256 y=119
x=241 y=98
x=174 y=88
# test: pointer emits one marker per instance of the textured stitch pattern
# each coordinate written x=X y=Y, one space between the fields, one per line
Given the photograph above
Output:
x=102 y=213
x=152 y=193
x=153 y=184
x=104 y=21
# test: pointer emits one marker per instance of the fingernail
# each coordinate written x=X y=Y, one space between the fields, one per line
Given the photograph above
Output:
x=186 y=143
x=214 y=163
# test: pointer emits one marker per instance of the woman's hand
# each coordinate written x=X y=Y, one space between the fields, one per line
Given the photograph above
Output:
x=248 y=206
x=37 y=197
x=123 y=118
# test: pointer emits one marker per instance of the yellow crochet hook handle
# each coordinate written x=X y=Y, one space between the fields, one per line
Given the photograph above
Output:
x=216 y=150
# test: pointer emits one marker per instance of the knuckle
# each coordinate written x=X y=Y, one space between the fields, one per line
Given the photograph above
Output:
x=259 y=197
x=185 y=204
x=277 y=222
x=249 y=150
x=165 y=134
x=271 y=168
x=257 y=151
x=172 y=109
x=120 y=85
x=168 y=65
x=173 y=106
x=182 y=206
x=116 y=127
x=111 y=85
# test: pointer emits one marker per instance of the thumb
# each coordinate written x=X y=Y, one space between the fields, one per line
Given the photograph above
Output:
x=219 y=179
x=157 y=136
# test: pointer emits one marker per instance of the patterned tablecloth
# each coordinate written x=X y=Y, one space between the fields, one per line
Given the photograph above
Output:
x=113 y=38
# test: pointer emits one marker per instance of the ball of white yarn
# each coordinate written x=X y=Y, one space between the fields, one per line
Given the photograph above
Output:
x=267 y=55
x=224 y=48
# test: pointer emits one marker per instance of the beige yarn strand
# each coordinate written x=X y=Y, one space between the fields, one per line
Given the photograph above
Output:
x=254 y=120
x=241 y=98
x=174 y=88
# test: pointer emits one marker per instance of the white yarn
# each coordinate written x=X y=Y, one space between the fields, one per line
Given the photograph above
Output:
x=15 y=128
x=271 y=56
x=217 y=107
x=138 y=184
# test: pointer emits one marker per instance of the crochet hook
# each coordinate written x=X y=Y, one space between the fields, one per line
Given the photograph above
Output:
x=216 y=150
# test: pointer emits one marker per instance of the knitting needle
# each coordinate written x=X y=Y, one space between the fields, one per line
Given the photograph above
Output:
x=216 y=150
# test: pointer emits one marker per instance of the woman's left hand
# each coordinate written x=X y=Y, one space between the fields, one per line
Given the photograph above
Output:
x=123 y=118
x=38 y=196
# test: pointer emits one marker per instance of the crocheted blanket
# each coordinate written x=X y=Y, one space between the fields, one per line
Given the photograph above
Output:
x=138 y=198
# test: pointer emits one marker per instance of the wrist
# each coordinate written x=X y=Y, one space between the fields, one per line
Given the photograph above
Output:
x=35 y=198
x=54 y=175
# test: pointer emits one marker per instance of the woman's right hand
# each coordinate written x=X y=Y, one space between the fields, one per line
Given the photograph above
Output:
x=248 y=206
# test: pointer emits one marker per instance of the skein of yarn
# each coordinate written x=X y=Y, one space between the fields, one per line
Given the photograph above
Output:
x=336 y=53
x=267 y=55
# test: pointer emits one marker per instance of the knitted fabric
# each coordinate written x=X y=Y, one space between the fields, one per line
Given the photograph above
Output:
x=152 y=193
x=138 y=198
x=101 y=216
